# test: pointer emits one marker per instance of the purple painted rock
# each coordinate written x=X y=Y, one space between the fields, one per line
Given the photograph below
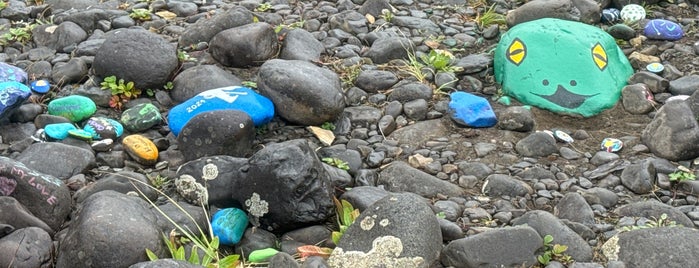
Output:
x=663 y=30
x=9 y=73
x=12 y=95
x=75 y=107
x=258 y=107
x=45 y=196
x=141 y=117
x=103 y=128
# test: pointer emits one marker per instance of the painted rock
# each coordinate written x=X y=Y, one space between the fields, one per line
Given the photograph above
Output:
x=663 y=30
x=141 y=149
x=103 y=128
x=80 y=134
x=258 y=107
x=632 y=13
x=610 y=15
x=58 y=131
x=76 y=108
x=471 y=110
x=141 y=117
x=563 y=66
x=9 y=73
x=40 y=86
x=12 y=95
x=229 y=225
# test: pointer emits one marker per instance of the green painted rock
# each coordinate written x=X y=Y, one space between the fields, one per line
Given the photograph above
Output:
x=563 y=66
x=75 y=108
x=141 y=117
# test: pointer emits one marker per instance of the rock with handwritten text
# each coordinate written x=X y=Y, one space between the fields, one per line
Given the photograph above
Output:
x=141 y=117
x=141 y=149
x=223 y=132
x=45 y=196
x=103 y=128
x=74 y=107
x=12 y=95
x=258 y=107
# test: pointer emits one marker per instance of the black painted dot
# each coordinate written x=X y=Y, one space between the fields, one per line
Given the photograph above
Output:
x=545 y=82
x=573 y=83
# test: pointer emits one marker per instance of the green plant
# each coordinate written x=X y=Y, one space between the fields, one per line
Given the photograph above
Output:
x=387 y=15
x=21 y=34
x=141 y=14
x=414 y=67
x=263 y=7
x=3 y=5
x=249 y=84
x=662 y=221
x=168 y=86
x=346 y=215
x=176 y=241
x=121 y=91
x=348 y=74
x=440 y=60
x=490 y=17
x=183 y=56
x=553 y=252
x=291 y=26
x=682 y=174
x=336 y=162
x=158 y=181
x=328 y=126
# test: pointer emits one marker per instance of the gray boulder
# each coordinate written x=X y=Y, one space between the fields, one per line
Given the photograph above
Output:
x=136 y=55
x=123 y=182
x=654 y=247
x=418 y=237
x=91 y=239
x=206 y=28
x=302 y=92
x=27 y=247
x=504 y=247
x=299 y=44
x=57 y=159
x=674 y=132
x=58 y=37
x=639 y=177
x=243 y=46
x=537 y=144
x=16 y=216
x=218 y=173
x=654 y=209
x=385 y=49
x=219 y=132
x=546 y=224
x=501 y=184
x=401 y=177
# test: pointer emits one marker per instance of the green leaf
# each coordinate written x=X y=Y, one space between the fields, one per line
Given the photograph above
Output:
x=214 y=243
x=336 y=237
x=548 y=239
x=262 y=255
x=229 y=261
x=347 y=209
x=151 y=255
x=179 y=254
x=559 y=249
x=194 y=256
x=543 y=259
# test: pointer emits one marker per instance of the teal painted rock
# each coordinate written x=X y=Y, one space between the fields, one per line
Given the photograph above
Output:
x=76 y=108
x=103 y=128
x=563 y=66
x=141 y=117
x=229 y=225
x=58 y=131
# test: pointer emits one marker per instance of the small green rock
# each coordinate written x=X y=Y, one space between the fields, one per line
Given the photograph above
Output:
x=76 y=108
x=141 y=117
x=262 y=255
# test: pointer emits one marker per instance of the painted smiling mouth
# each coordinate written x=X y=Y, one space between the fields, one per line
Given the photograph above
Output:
x=566 y=99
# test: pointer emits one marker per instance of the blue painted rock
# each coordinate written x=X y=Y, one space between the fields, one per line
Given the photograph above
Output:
x=141 y=149
x=76 y=108
x=58 y=131
x=229 y=225
x=40 y=86
x=12 y=95
x=103 y=128
x=258 y=107
x=9 y=73
x=563 y=66
x=632 y=13
x=471 y=110
x=610 y=15
x=141 y=117
x=663 y=30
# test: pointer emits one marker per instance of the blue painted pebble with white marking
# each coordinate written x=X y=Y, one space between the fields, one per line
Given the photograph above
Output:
x=660 y=29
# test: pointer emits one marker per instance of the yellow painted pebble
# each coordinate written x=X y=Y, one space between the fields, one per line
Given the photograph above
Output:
x=141 y=149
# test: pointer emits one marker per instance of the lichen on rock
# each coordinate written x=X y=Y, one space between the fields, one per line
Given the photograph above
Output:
x=384 y=253
x=191 y=190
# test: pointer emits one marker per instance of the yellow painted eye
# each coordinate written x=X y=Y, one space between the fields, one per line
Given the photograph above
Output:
x=599 y=55
x=516 y=51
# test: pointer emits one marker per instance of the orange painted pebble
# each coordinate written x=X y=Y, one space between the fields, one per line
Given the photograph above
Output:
x=141 y=149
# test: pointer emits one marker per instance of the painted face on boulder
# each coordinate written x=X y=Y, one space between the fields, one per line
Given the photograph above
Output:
x=563 y=66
